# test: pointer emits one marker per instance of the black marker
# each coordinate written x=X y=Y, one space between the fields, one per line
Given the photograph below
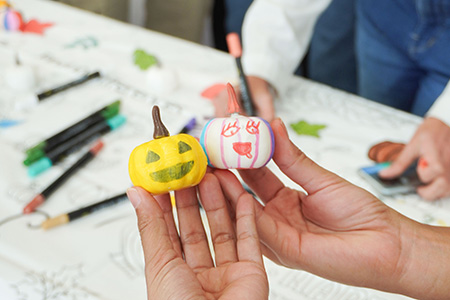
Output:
x=82 y=212
x=40 y=198
x=66 y=86
x=35 y=99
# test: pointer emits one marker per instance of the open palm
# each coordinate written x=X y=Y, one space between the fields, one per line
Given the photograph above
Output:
x=337 y=230
x=180 y=266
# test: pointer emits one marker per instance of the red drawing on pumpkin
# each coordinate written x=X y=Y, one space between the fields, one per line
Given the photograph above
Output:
x=252 y=127
x=230 y=129
x=243 y=149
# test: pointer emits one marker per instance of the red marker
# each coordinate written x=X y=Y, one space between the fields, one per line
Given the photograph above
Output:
x=40 y=198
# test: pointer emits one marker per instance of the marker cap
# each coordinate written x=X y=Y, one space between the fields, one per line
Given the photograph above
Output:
x=116 y=121
x=39 y=166
x=33 y=156
x=111 y=110
x=234 y=44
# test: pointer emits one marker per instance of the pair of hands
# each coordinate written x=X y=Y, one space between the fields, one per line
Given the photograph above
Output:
x=336 y=230
x=430 y=144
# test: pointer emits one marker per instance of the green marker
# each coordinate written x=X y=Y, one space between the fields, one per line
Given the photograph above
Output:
x=59 y=153
x=38 y=151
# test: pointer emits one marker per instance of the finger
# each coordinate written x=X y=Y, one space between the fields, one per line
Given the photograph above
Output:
x=166 y=206
x=247 y=235
x=394 y=152
x=409 y=154
x=152 y=226
x=222 y=231
x=192 y=234
x=435 y=190
x=262 y=98
x=263 y=182
x=268 y=229
x=296 y=165
x=429 y=168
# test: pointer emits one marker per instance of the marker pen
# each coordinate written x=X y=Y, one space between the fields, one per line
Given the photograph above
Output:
x=35 y=99
x=235 y=49
x=82 y=212
x=38 y=151
x=40 y=198
x=59 y=153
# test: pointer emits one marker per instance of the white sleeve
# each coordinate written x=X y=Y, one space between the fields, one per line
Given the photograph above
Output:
x=441 y=107
x=276 y=35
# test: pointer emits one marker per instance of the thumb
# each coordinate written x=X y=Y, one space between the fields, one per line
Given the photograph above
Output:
x=406 y=157
x=296 y=165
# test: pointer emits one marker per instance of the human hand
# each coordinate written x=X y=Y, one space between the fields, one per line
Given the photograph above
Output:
x=262 y=96
x=181 y=266
x=337 y=230
x=431 y=145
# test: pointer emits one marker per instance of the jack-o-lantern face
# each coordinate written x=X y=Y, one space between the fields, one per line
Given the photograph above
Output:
x=167 y=163
x=237 y=142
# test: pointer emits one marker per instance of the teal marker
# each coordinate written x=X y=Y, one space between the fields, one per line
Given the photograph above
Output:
x=38 y=151
x=377 y=168
x=59 y=153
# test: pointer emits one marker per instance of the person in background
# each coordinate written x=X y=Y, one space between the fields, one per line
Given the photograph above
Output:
x=180 y=18
x=401 y=59
x=335 y=230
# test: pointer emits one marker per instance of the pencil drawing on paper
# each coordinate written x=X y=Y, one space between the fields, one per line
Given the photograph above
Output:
x=129 y=258
x=61 y=284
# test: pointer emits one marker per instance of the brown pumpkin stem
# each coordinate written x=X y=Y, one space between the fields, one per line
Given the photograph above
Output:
x=160 y=130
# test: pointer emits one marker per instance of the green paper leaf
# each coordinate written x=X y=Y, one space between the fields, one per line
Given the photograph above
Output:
x=304 y=128
x=143 y=59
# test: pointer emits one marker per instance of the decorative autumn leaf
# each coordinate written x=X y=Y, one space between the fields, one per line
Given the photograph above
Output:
x=35 y=26
x=143 y=59
x=304 y=128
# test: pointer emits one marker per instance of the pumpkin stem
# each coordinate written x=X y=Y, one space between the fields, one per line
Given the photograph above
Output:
x=160 y=130
x=233 y=106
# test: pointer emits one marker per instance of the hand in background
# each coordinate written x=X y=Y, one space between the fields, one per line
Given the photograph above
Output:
x=337 y=230
x=181 y=266
x=431 y=145
x=262 y=99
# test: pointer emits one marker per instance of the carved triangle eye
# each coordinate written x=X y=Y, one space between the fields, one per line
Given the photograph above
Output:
x=183 y=147
x=152 y=157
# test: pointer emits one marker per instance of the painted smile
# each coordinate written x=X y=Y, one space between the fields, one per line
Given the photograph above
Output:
x=175 y=172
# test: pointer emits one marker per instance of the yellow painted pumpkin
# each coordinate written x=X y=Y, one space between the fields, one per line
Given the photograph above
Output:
x=167 y=163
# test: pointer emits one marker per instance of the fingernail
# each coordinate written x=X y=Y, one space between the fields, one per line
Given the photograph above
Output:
x=284 y=128
x=423 y=163
x=134 y=197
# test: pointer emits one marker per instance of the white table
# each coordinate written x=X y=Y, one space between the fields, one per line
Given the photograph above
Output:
x=99 y=257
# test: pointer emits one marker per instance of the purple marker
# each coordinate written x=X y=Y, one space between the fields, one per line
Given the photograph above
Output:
x=189 y=126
